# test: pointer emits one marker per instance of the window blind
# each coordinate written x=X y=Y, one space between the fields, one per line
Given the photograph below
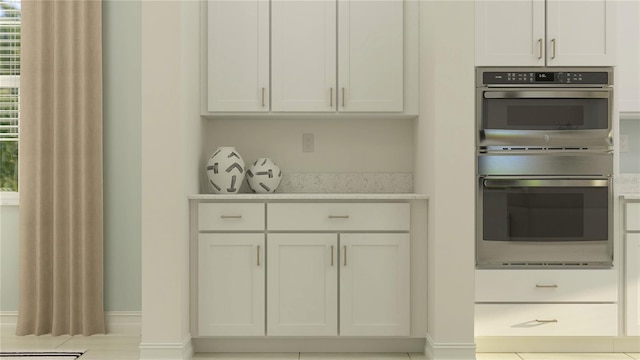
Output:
x=9 y=69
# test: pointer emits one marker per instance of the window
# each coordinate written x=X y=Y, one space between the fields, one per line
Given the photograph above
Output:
x=9 y=93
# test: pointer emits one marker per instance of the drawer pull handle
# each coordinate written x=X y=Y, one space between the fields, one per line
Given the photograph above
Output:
x=227 y=217
x=258 y=254
x=547 y=321
x=345 y=255
x=546 y=286
x=338 y=216
x=539 y=48
x=331 y=255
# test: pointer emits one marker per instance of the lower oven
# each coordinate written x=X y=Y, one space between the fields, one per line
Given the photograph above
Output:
x=544 y=210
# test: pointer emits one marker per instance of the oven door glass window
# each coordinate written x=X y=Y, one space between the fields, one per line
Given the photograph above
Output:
x=545 y=114
x=545 y=213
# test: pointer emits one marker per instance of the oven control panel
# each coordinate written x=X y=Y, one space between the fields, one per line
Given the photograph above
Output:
x=545 y=78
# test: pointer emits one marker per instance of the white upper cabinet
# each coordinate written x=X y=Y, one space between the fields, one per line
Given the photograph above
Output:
x=628 y=79
x=510 y=33
x=238 y=56
x=370 y=61
x=303 y=45
x=551 y=33
x=305 y=56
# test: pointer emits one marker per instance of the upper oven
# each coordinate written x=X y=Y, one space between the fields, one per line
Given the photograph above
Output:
x=537 y=108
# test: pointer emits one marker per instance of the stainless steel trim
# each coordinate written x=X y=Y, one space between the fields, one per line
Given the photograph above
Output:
x=331 y=97
x=553 y=46
x=544 y=164
x=539 y=48
x=345 y=255
x=508 y=183
x=481 y=70
x=546 y=94
x=331 y=255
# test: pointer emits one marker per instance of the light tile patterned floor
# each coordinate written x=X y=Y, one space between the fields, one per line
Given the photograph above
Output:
x=107 y=347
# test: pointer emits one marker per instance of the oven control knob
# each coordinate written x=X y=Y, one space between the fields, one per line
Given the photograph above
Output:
x=546 y=137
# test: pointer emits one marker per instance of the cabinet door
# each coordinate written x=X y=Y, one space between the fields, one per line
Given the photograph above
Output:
x=238 y=55
x=374 y=285
x=633 y=284
x=581 y=33
x=302 y=297
x=370 y=55
x=303 y=51
x=231 y=284
x=510 y=33
x=629 y=55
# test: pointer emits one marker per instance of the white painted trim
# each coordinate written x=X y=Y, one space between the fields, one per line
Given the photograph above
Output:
x=449 y=351
x=308 y=345
x=9 y=198
x=122 y=323
x=167 y=351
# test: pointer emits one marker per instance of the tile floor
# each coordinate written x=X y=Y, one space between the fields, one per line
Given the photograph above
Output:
x=110 y=347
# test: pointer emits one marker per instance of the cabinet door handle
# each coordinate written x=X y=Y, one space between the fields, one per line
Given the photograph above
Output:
x=539 y=48
x=331 y=255
x=547 y=321
x=262 y=97
x=227 y=217
x=553 y=48
x=342 y=97
x=331 y=97
x=345 y=255
x=546 y=286
x=258 y=254
x=338 y=216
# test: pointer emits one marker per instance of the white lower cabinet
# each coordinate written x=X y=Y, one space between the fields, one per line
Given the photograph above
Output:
x=329 y=269
x=546 y=302
x=374 y=284
x=302 y=273
x=546 y=320
x=231 y=284
x=632 y=284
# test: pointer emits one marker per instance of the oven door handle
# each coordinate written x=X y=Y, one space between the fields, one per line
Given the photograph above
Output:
x=507 y=183
x=547 y=94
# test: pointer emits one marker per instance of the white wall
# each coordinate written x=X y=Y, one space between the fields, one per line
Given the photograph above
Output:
x=170 y=158
x=445 y=171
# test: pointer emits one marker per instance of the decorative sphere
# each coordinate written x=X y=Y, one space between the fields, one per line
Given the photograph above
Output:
x=225 y=170
x=264 y=176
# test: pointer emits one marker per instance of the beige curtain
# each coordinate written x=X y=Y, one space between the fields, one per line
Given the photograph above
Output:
x=60 y=182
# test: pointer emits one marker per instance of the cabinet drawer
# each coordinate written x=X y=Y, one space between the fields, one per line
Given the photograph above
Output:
x=230 y=216
x=339 y=216
x=632 y=216
x=546 y=320
x=546 y=285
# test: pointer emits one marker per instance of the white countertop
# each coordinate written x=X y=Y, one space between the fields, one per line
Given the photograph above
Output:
x=311 y=196
x=634 y=196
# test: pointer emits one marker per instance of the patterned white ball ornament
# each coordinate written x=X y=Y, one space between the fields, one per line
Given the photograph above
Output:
x=225 y=170
x=264 y=176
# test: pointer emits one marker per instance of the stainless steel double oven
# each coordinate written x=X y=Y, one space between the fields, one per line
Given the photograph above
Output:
x=544 y=167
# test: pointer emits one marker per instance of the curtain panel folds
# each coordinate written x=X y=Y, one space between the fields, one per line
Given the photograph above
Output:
x=60 y=179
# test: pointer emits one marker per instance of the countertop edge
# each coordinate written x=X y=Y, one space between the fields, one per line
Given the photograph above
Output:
x=311 y=196
x=630 y=196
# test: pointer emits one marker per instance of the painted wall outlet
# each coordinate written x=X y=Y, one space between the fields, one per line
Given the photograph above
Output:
x=624 y=143
x=307 y=142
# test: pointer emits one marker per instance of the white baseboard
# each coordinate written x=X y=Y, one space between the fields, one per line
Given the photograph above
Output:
x=121 y=323
x=308 y=345
x=167 y=351
x=449 y=351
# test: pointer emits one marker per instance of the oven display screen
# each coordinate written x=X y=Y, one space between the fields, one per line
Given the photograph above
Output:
x=545 y=76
